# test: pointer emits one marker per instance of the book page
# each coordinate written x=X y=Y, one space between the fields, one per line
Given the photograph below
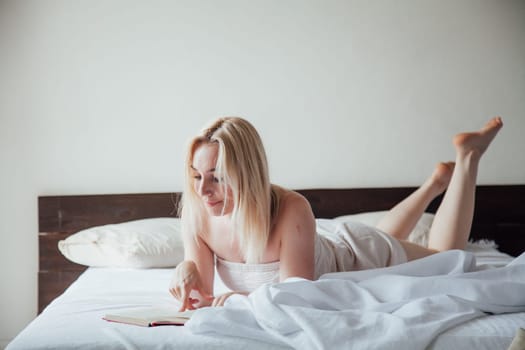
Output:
x=150 y=316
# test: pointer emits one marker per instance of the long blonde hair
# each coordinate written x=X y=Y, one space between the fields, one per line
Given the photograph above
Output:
x=243 y=167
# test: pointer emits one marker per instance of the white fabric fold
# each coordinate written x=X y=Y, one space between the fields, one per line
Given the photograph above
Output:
x=404 y=306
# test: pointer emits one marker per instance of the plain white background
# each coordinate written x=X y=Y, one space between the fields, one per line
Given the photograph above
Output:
x=102 y=96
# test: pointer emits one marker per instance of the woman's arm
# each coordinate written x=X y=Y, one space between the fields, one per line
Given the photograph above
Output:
x=296 y=227
x=196 y=250
x=195 y=273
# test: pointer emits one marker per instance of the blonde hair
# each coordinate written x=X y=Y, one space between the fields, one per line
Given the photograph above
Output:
x=242 y=166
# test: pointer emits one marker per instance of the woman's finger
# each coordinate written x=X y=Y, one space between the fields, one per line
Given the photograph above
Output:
x=191 y=303
x=175 y=292
x=184 y=300
x=219 y=301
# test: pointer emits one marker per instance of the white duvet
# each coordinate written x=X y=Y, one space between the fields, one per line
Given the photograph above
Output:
x=400 y=307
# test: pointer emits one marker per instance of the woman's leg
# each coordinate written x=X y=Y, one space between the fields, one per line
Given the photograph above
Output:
x=451 y=226
x=452 y=223
x=401 y=219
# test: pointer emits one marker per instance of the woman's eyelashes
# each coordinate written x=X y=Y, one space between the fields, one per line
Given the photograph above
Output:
x=212 y=178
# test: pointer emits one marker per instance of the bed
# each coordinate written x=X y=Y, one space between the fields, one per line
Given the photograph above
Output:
x=72 y=298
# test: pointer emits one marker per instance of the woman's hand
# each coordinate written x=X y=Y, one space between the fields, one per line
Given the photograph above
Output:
x=186 y=278
x=219 y=301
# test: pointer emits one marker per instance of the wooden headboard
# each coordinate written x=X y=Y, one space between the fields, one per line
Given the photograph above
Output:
x=499 y=216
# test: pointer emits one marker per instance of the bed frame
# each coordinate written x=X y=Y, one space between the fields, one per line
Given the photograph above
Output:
x=499 y=216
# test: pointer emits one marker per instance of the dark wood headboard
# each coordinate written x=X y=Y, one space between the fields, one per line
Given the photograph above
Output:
x=499 y=216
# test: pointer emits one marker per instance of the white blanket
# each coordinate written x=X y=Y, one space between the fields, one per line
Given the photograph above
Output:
x=400 y=307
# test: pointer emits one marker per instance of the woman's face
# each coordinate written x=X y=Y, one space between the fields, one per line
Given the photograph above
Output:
x=206 y=184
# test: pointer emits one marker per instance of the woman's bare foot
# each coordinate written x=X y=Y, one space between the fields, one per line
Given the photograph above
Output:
x=441 y=176
x=476 y=143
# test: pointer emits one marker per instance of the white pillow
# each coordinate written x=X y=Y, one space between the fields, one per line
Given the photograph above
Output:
x=418 y=235
x=143 y=243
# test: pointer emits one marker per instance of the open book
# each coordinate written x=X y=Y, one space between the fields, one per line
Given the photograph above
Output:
x=150 y=316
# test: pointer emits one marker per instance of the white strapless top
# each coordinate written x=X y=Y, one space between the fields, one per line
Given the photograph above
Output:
x=339 y=246
x=243 y=277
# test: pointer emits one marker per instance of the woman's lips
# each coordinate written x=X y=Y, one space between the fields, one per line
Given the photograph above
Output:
x=213 y=203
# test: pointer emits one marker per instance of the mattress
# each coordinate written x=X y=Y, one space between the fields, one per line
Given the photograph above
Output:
x=74 y=320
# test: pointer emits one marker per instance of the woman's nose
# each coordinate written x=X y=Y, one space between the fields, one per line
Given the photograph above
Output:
x=205 y=188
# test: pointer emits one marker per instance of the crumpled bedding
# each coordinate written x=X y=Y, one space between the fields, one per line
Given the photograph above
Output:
x=404 y=306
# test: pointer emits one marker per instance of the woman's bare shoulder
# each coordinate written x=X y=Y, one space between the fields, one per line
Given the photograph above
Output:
x=293 y=203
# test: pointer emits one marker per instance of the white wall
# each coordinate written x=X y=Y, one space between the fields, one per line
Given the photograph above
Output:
x=101 y=96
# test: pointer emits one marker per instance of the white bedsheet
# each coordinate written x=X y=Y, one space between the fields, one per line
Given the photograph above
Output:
x=400 y=307
x=74 y=320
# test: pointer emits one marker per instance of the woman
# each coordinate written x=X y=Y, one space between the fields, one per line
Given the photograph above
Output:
x=256 y=232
